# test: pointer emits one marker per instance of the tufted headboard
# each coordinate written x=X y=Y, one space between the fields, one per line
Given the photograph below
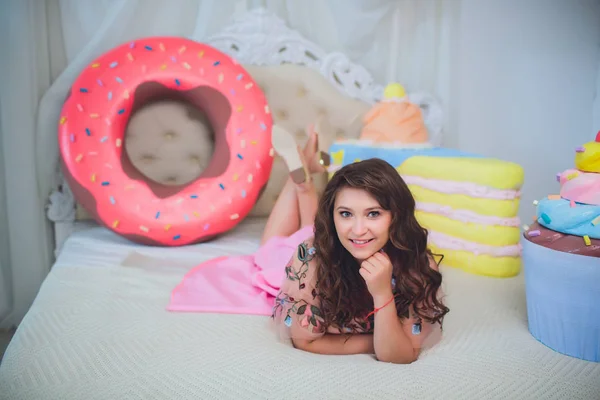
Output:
x=303 y=85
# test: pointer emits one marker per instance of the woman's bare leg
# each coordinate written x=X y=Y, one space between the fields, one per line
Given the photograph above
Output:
x=284 y=218
x=296 y=206
x=308 y=200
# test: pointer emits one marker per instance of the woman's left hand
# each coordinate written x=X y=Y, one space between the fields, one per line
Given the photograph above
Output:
x=377 y=273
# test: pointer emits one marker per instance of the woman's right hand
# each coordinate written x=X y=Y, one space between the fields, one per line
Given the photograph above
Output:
x=377 y=273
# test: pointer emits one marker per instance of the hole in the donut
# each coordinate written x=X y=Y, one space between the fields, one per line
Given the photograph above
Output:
x=166 y=130
x=179 y=137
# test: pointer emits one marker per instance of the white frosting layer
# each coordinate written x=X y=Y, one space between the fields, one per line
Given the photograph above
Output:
x=447 y=242
x=466 y=215
x=464 y=188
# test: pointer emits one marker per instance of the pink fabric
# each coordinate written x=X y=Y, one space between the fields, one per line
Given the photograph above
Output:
x=238 y=285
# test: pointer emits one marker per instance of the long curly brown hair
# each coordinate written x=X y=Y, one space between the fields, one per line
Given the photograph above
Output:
x=342 y=291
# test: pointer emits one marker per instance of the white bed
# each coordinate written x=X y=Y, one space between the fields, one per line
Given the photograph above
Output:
x=99 y=330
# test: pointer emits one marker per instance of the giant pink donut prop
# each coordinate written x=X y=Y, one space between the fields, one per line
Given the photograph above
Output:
x=92 y=127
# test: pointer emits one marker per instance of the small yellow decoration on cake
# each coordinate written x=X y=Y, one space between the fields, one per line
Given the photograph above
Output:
x=587 y=158
x=394 y=91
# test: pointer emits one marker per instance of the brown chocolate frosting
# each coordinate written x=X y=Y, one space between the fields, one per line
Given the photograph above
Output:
x=561 y=242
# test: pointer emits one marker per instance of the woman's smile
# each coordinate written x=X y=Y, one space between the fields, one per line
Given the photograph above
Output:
x=362 y=225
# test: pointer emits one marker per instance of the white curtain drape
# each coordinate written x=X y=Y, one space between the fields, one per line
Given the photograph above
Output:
x=5 y=273
x=596 y=108
x=24 y=77
x=517 y=81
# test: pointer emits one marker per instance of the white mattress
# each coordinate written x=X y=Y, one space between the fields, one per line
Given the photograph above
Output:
x=99 y=330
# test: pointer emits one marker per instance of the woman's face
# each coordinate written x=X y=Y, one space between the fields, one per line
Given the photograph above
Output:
x=362 y=226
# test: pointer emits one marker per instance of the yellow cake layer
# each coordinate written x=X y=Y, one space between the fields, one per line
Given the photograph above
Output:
x=493 y=235
x=491 y=207
x=500 y=267
x=482 y=171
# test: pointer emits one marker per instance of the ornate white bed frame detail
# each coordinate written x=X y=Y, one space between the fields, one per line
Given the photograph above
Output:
x=259 y=37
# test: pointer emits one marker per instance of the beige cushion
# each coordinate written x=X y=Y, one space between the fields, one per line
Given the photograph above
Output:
x=171 y=143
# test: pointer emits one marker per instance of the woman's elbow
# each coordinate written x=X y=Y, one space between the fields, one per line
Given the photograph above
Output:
x=303 y=344
x=399 y=358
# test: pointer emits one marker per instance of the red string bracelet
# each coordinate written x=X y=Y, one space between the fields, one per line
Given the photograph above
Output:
x=383 y=306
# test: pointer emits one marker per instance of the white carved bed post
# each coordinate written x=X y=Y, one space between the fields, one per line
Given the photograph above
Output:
x=61 y=211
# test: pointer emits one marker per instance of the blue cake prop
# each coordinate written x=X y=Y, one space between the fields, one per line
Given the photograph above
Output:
x=563 y=300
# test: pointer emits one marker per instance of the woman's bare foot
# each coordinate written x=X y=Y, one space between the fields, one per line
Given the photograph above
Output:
x=318 y=160
x=285 y=145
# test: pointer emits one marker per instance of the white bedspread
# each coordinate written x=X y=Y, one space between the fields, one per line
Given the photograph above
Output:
x=99 y=330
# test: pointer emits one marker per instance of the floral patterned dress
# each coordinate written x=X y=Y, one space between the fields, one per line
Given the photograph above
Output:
x=296 y=311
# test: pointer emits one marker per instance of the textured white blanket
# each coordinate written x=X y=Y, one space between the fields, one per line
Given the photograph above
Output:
x=101 y=332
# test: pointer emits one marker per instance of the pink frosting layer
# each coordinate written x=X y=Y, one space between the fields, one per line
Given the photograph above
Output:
x=580 y=187
x=444 y=241
x=466 y=215
x=465 y=188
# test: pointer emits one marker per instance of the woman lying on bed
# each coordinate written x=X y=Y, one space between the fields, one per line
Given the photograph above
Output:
x=362 y=279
